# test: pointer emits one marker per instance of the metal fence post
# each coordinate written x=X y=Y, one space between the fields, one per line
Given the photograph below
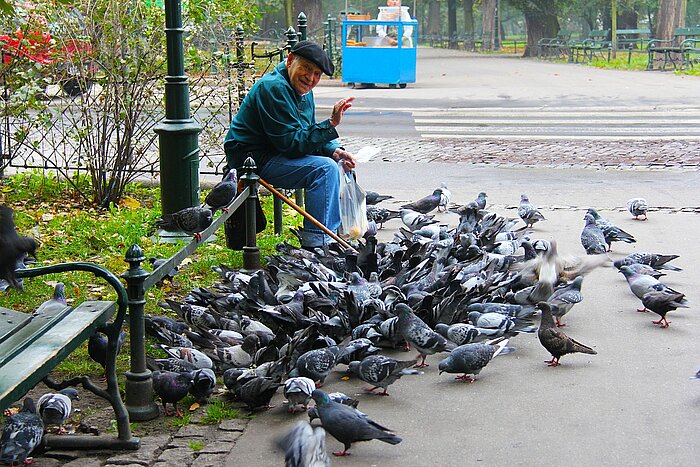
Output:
x=292 y=37
x=301 y=25
x=251 y=252
x=139 y=384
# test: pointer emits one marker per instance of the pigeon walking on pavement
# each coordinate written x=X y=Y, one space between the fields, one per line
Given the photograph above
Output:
x=381 y=371
x=611 y=232
x=418 y=334
x=21 y=434
x=470 y=359
x=554 y=340
x=372 y=197
x=13 y=247
x=223 y=193
x=298 y=391
x=191 y=221
x=425 y=204
x=528 y=212
x=564 y=298
x=415 y=220
x=661 y=302
x=592 y=237
x=641 y=284
x=445 y=197
x=638 y=207
x=655 y=260
x=347 y=425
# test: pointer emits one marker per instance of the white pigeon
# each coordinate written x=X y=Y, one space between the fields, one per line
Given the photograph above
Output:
x=445 y=197
x=415 y=220
x=638 y=207
x=194 y=356
x=298 y=390
x=55 y=408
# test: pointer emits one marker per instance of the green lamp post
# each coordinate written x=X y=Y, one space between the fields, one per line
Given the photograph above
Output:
x=178 y=143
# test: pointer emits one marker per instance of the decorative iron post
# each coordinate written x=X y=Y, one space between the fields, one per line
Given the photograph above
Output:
x=178 y=132
x=139 y=384
x=251 y=252
x=301 y=25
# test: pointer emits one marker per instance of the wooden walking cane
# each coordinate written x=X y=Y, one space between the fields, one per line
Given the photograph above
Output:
x=306 y=215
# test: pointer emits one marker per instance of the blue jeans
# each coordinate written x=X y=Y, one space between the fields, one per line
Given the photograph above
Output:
x=320 y=178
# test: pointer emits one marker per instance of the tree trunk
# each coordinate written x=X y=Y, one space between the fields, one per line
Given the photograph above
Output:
x=668 y=18
x=434 y=17
x=540 y=21
x=452 y=23
x=314 y=17
x=488 y=15
x=468 y=6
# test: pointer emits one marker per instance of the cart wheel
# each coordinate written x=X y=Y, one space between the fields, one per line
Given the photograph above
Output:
x=392 y=86
x=402 y=85
x=351 y=85
x=74 y=87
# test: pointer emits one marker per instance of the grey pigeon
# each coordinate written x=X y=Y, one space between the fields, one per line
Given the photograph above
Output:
x=13 y=247
x=97 y=347
x=317 y=364
x=240 y=356
x=529 y=213
x=298 y=391
x=381 y=371
x=554 y=340
x=171 y=387
x=425 y=204
x=372 y=197
x=640 y=284
x=655 y=260
x=481 y=200
x=564 y=298
x=304 y=446
x=347 y=425
x=470 y=359
x=611 y=232
x=258 y=392
x=21 y=434
x=415 y=220
x=592 y=237
x=661 y=302
x=158 y=262
x=381 y=215
x=418 y=334
x=191 y=221
x=203 y=384
x=338 y=397
x=638 y=207
x=464 y=333
x=55 y=408
x=57 y=301
x=223 y=193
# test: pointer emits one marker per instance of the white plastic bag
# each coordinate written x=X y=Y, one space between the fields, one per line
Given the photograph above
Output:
x=353 y=206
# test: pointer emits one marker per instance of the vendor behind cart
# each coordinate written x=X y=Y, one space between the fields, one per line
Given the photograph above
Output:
x=394 y=12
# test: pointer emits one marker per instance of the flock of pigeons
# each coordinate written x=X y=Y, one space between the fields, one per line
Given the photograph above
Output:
x=464 y=291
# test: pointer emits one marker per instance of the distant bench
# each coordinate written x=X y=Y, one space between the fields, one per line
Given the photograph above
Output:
x=675 y=52
x=32 y=346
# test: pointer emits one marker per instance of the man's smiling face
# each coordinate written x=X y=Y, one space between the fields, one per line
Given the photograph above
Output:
x=304 y=75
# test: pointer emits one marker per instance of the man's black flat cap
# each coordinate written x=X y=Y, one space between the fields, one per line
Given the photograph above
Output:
x=313 y=52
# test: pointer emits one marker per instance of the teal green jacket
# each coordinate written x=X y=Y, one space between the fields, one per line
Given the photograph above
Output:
x=274 y=120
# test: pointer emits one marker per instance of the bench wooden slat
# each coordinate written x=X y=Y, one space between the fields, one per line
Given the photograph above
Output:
x=29 y=332
x=24 y=370
x=11 y=321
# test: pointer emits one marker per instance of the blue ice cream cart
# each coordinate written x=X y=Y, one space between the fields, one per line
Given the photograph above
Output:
x=370 y=56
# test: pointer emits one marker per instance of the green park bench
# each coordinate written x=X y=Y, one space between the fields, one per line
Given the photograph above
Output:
x=690 y=52
x=595 y=44
x=632 y=38
x=32 y=346
x=670 y=52
x=554 y=47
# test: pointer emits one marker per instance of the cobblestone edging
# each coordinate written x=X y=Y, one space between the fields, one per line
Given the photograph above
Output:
x=213 y=442
x=534 y=153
